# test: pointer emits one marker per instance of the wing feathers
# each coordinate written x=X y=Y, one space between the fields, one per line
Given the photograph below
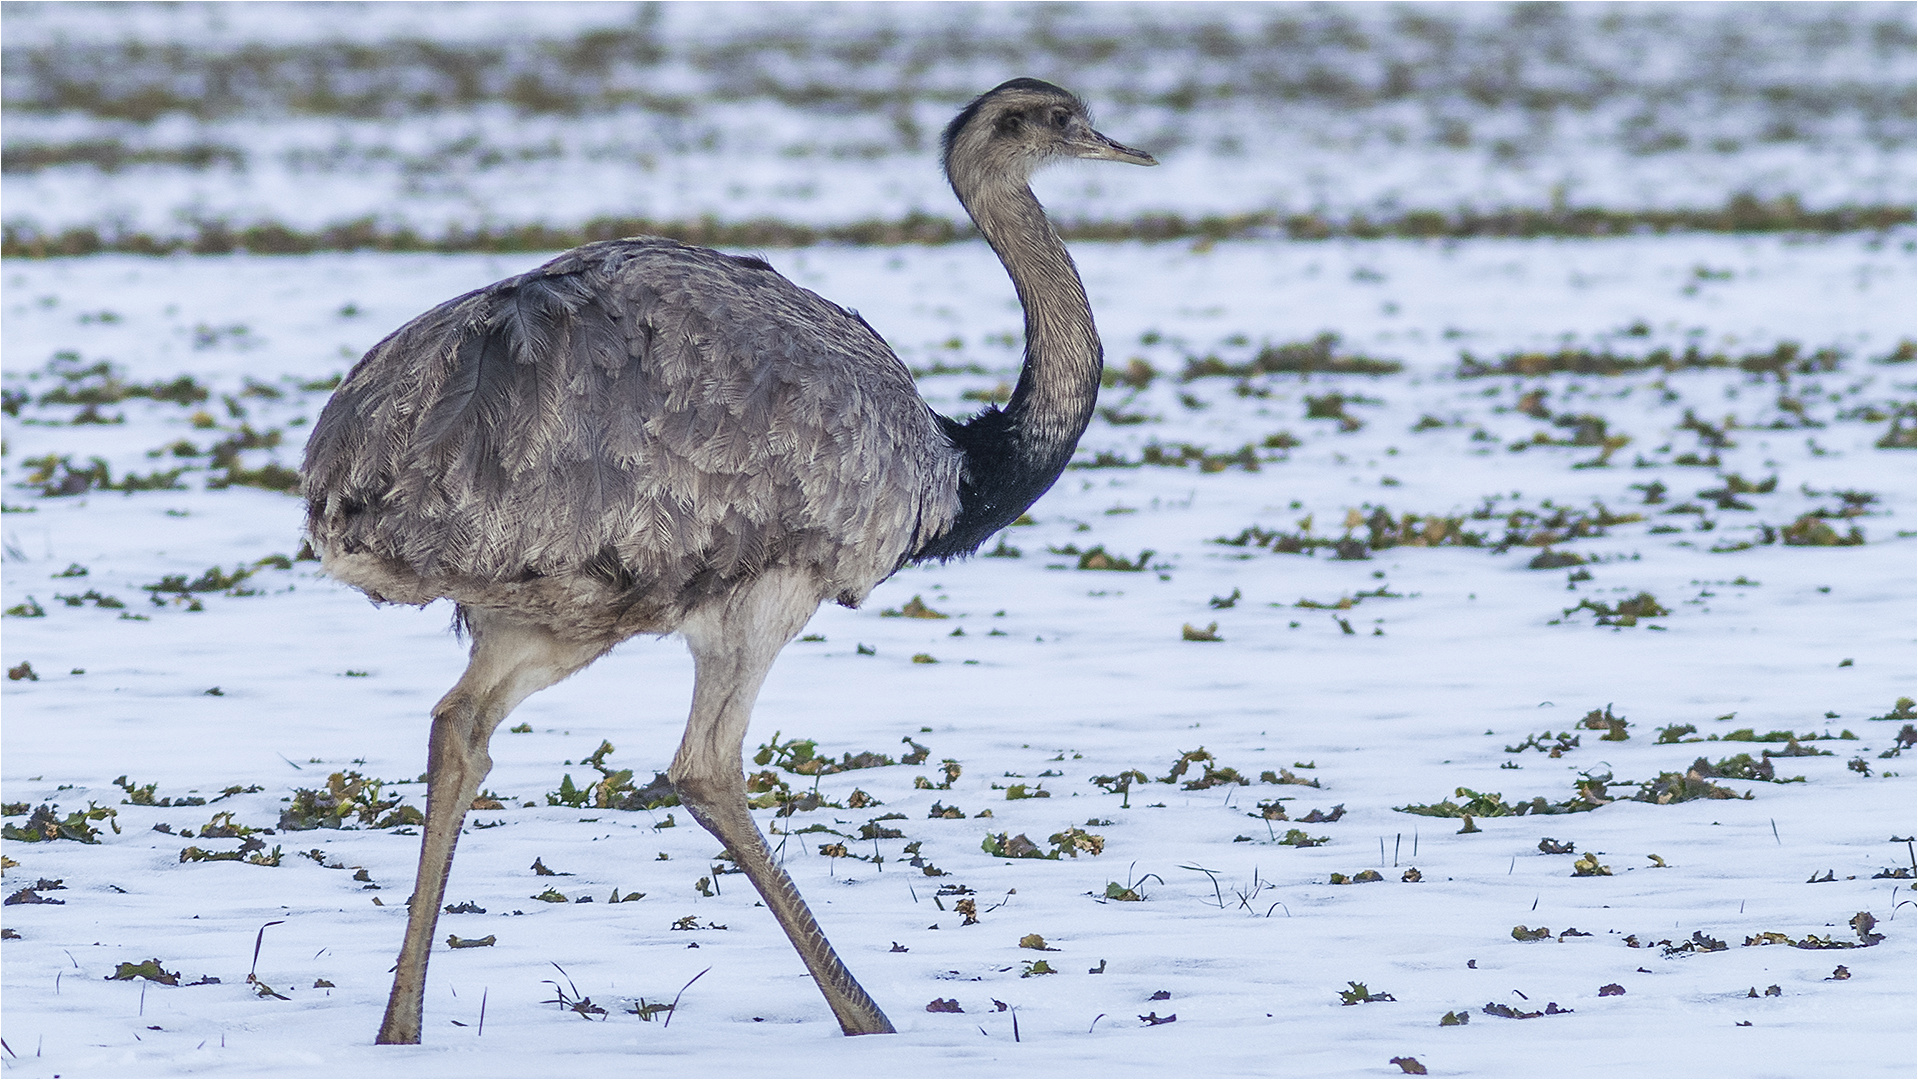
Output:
x=638 y=412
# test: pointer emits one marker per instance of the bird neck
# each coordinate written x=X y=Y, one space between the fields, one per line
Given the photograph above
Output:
x=1013 y=455
x=1059 y=381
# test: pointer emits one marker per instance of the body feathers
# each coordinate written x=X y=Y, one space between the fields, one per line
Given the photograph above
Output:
x=621 y=434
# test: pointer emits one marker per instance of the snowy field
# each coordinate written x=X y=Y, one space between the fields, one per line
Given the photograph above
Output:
x=162 y=119
x=1457 y=654
x=1362 y=532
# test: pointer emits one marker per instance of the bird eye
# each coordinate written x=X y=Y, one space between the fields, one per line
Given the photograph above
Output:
x=1059 y=118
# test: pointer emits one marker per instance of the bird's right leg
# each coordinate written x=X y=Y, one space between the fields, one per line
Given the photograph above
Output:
x=510 y=660
x=732 y=651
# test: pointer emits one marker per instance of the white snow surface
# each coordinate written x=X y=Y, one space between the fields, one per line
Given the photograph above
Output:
x=828 y=114
x=1460 y=653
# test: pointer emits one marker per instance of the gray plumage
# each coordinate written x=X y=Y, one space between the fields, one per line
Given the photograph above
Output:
x=624 y=433
x=645 y=437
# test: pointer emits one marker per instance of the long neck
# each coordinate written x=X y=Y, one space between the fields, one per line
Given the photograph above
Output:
x=1014 y=455
x=1059 y=383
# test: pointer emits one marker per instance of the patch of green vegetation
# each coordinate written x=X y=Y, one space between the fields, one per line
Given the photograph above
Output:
x=102 y=384
x=229 y=472
x=95 y=596
x=1782 y=360
x=1138 y=373
x=57 y=476
x=1901 y=436
x=1672 y=787
x=873 y=830
x=1742 y=214
x=1382 y=530
x=1121 y=784
x=27 y=609
x=45 y=824
x=1212 y=775
x=1286 y=776
x=914 y=608
x=271 y=477
x=1003 y=846
x=614 y=790
x=213 y=580
x=1179 y=455
x=1105 y=459
x=1118 y=417
x=1742 y=767
x=1097 y=558
x=952 y=770
x=1589 y=795
x=252 y=851
x=1587 y=430
x=801 y=756
x=1071 y=842
x=113 y=155
x=1734 y=485
x=1549 y=524
x=1812 y=530
x=1332 y=407
x=1589 y=866
x=1555 y=560
x=1624 y=613
x=1359 y=995
x=143 y=795
x=149 y=970
x=1787 y=736
x=1603 y=720
x=348 y=800
x=1548 y=743
x=1074 y=840
x=1903 y=709
x=1318 y=356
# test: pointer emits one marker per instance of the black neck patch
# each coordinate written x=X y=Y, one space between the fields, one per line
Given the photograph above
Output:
x=1003 y=475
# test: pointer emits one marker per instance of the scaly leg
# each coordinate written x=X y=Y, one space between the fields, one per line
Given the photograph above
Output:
x=509 y=661
x=732 y=651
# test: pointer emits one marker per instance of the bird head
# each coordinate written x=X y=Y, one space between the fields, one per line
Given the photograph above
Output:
x=1017 y=126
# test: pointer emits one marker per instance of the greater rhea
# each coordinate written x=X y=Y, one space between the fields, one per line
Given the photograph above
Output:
x=642 y=437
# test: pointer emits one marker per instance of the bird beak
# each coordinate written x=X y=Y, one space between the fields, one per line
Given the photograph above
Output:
x=1096 y=146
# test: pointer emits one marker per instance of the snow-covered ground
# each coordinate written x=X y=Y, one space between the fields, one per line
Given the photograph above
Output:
x=155 y=119
x=1361 y=546
x=1456 y=655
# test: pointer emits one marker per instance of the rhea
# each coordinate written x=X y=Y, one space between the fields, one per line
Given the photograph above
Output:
x=642 y=437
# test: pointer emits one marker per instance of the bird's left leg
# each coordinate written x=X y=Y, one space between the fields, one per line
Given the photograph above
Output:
x=733 y=648
x=510 y=660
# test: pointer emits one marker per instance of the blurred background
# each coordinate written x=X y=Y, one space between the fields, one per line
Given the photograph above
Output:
x=311 y=126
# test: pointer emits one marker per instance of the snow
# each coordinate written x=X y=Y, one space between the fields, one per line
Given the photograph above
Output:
x=1388 y=681
x=1090 y=678
x=825 y=115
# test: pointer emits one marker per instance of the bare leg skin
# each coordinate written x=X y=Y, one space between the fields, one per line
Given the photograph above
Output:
x=732 y=651
x=509 y=661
